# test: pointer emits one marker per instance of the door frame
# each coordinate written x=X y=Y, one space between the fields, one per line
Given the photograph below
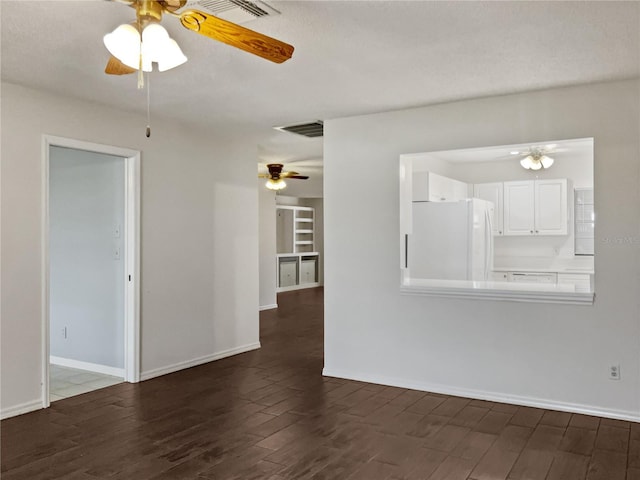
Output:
x=131 y=254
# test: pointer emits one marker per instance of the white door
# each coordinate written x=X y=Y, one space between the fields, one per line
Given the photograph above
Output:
x=519 y=205
x=551 y=207
x=492 y=192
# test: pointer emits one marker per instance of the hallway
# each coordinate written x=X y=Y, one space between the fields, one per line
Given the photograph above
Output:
x=269 y=414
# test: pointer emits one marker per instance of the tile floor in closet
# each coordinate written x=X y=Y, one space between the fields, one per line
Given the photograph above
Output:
x=67 y=382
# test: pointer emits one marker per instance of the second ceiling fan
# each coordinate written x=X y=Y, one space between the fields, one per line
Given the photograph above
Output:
x=275 y=177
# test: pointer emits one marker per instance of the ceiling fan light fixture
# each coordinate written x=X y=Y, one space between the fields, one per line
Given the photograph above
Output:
x=275 y=184
x=536 y=161
x=125 y=41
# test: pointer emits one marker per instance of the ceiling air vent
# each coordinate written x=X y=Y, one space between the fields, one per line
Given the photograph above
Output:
x=310 y=129
x=236 y=11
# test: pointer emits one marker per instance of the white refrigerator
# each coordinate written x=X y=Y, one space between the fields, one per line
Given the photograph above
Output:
x=451 y=240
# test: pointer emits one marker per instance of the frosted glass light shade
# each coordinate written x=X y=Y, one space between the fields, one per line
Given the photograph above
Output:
x=278 y=184
x=526 y=162
x=546 y=161
x=154 y=38
x=171 y=57
x=125 y=42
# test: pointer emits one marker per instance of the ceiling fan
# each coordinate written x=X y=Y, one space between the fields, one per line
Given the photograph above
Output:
x=276 y=176
x=135 y=46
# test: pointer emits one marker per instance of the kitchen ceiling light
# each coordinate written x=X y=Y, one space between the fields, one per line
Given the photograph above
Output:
x=275 y=184
x=125 y=43
x=536 y=160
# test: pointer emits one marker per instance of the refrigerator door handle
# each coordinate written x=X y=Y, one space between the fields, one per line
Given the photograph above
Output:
x=406 y=250
x=488 y=247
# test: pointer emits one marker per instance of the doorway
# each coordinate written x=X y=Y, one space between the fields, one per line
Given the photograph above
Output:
x=91 y=285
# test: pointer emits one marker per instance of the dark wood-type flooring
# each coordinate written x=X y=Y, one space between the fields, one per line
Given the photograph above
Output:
x=269 y=414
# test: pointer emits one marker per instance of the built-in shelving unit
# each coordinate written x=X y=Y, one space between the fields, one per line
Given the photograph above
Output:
x=297 y=260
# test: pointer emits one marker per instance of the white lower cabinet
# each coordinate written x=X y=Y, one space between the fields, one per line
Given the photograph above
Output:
x=524 y=277
x=582 y=281
x=533 y=277
x=498 y=277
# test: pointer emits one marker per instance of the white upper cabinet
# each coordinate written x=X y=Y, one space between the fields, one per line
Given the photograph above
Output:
x=431 y=187
x=535 y=207
x=494 y=193
x=551 y=207
x=519 y=205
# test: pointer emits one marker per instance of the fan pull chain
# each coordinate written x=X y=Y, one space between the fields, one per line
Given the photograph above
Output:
x=140 y=72
x=148 y=132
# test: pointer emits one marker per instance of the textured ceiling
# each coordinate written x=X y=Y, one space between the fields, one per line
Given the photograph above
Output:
x=350 y=58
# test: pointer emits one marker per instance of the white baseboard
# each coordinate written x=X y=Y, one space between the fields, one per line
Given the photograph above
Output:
x=157 y=372
x=630 y=415
x=20 y=409
x=268 y=307
x=92 y=367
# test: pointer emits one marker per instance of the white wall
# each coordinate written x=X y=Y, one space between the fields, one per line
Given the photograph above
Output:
x=267 y=232
x=199 y=272
x=528 y=353
x=86 y=205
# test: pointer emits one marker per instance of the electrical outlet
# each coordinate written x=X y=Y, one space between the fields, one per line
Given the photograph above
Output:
x=116 y=253
x=614 y=372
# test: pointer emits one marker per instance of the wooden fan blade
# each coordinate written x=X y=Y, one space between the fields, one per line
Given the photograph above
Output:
x=236 y=36
x=288 y=174
x=300 y=177
x=116 y=67
x=264 y=175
